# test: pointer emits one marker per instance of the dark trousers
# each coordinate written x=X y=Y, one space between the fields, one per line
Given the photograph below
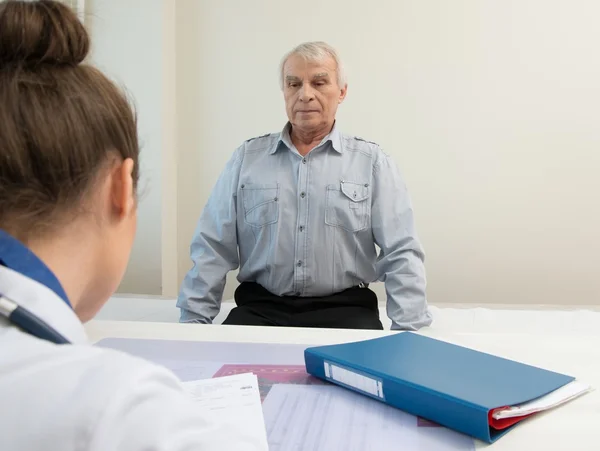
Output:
x=354 y=308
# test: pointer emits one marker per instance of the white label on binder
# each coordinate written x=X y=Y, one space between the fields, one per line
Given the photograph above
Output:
x=354 y=380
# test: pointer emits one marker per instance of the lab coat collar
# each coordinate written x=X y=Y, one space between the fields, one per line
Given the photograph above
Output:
x=18 y=257
x=43 y=302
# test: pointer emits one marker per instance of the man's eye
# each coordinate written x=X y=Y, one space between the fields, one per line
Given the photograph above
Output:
x=293 y=85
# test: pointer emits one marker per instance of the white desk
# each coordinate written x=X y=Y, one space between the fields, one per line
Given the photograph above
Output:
x=569 y=350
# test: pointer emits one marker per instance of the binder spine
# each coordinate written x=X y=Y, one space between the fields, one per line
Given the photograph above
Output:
x=468 y=419
x=354 y=380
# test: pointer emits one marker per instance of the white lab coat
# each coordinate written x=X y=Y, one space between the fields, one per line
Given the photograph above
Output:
x=79 y=397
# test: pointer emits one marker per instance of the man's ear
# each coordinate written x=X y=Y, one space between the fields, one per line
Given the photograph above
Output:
x=343 y=93
x=122 y=193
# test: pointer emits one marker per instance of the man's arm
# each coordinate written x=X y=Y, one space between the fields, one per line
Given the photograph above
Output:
x=401 y=260
x=213 y=250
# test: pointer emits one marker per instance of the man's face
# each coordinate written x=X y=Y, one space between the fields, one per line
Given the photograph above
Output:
x=311 y=92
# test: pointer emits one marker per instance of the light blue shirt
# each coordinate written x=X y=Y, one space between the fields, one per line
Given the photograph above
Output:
x=308 y=226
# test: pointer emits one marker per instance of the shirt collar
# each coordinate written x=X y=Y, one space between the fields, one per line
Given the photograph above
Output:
x=285 y=139
x=16 y=256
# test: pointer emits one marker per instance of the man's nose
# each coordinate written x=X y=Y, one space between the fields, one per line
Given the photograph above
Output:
x=306 y=92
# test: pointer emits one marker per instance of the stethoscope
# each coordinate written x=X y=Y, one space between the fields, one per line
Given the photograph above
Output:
x=28 y=322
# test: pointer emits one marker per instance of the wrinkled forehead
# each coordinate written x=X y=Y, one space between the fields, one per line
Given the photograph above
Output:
x=300 y=67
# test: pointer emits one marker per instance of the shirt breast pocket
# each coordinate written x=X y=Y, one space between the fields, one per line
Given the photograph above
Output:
x=261 y=204
x=347 y=206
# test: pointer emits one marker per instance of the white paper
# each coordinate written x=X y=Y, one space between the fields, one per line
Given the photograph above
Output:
x=234 y=403
x=326 y=417
x=560 y=396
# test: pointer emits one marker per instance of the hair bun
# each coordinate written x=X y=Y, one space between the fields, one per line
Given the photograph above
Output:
x=41 y=32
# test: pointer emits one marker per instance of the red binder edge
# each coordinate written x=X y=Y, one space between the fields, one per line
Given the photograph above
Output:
x=504 y=423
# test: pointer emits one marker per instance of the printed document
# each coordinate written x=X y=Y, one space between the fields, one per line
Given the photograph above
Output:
x=553 y=399
x=234 y=402
x=330 y=418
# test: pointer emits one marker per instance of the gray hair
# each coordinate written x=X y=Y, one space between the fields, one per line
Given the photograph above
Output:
x=315 y=51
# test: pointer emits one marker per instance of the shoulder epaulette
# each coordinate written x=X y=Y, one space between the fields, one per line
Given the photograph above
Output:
x=258 y=137
x=358 y=138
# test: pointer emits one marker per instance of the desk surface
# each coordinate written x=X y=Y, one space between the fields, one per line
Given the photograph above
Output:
x=570 y=427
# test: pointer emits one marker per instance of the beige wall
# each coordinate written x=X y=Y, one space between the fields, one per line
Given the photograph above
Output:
x=491 y=109
x=127 y=44
x=169 y=232
x=134 y=42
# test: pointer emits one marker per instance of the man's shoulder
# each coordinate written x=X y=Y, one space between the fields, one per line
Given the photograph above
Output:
x=254 y=145
x=261 y=142
x=266 y=135
x=361 y=140
x=359 y=144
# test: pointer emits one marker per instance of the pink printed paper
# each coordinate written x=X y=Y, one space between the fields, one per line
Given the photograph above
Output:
x=268 y=375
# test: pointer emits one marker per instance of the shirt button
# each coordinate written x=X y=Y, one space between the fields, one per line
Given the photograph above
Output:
x=299 y=263
x=301 y=228
x=243 y=186
x=304 y=160
x=276 y=199
x=302 y=194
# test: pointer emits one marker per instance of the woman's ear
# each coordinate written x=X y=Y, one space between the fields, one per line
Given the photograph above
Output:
x=122 y=191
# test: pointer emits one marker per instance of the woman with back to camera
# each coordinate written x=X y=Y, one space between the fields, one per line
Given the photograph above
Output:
x=68 y=176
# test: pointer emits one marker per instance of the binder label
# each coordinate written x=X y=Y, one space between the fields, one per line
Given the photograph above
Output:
x=355 y=380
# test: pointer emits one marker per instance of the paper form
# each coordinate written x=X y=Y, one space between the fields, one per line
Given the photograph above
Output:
x=269 y=375
x=326 y=417
x=234 y=403
x=553 y=399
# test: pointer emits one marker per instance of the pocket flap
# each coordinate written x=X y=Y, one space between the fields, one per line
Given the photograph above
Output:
x=255 y=195
x=356 y=192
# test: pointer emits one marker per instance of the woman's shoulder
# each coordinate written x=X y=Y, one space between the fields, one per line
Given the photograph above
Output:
x=105 y=398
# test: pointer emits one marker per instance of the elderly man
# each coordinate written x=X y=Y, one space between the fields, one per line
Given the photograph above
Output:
x=300 y=212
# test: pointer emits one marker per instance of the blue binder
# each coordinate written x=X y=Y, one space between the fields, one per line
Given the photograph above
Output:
x=451 y=385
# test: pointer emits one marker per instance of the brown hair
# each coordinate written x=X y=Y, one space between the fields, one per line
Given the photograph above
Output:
x=60 y=120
